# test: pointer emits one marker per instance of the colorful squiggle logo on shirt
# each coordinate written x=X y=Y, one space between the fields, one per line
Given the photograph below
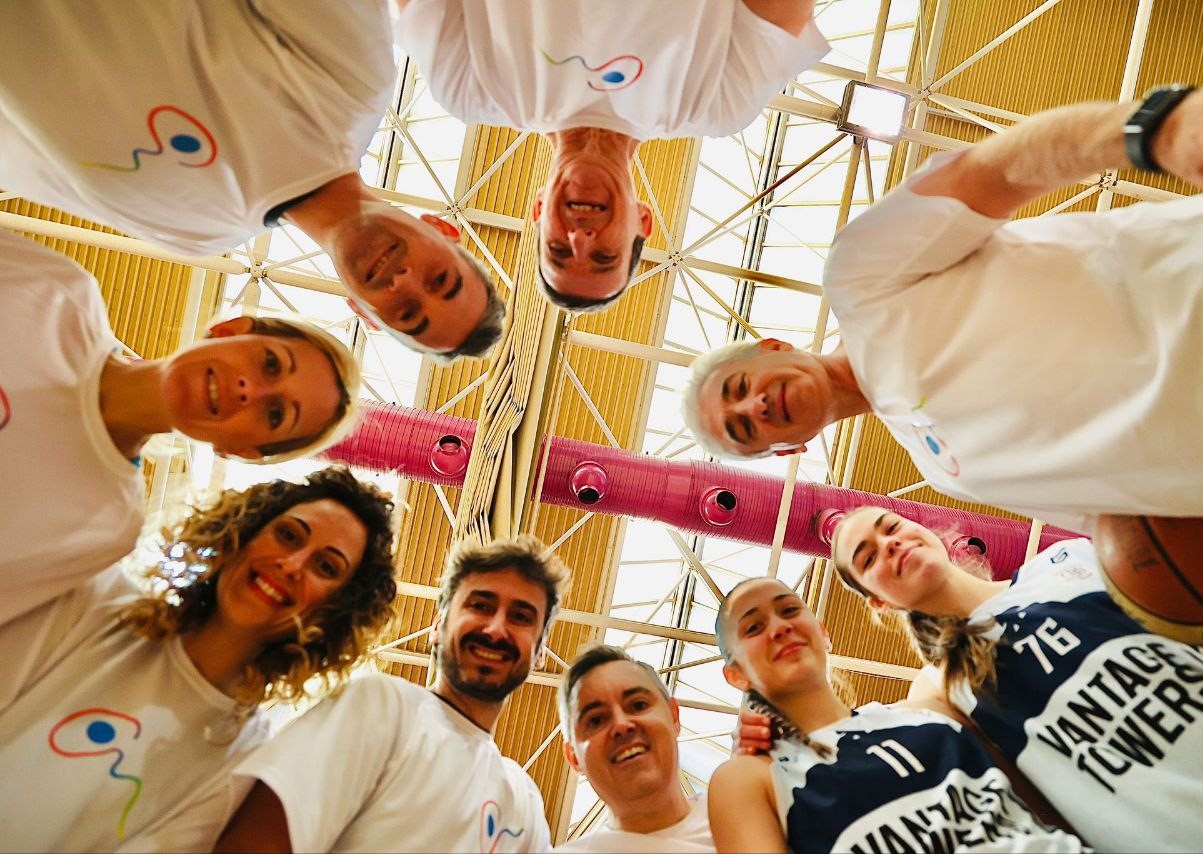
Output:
x=611 y=76
x=193 y=150
x=6 y=410
x=94 y=728
x=491 y=830
x=933 y=442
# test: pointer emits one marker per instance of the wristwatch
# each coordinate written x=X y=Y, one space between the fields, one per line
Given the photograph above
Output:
x=1145 y=122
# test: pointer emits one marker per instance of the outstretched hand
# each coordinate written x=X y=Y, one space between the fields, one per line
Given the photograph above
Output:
x=753 y=735
x=1178 y=144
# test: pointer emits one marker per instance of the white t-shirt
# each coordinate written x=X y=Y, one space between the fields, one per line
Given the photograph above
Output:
x=1105 y=718
x=184 y=122
x=691 y=835
x=645 y=68
x=103 y=733
x=72 y=504
x=901 y=780
x=1049 y=366
x=388 y=766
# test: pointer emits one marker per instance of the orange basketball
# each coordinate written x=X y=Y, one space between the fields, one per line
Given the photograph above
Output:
x=1153 y=567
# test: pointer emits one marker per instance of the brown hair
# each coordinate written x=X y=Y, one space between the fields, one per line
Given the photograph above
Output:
x=782 y=726
x=484 y=337
x=592 y=658
x=962 y=650
x=524 y=554
x=585 y=305
x=334 y=637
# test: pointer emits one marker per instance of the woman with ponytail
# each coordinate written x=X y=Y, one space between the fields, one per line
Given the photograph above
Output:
x=1105 y=719
x=902 y=777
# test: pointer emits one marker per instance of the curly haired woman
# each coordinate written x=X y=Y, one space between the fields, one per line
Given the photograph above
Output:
x=120 y=705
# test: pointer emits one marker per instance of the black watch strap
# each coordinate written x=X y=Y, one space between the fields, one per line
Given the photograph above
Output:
x=1145 y=122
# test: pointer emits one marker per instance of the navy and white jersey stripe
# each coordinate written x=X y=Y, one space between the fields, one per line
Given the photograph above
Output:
x=1106 y=718
x=901 y=780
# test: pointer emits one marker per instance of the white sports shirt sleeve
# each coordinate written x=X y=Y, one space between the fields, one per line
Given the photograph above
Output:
x=387 y=766
x=549 y=65
x=327 y=763
x=901 y=239
x=1045 y=365
x=74 y=503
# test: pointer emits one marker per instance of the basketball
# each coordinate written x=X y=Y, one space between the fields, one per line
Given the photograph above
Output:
x=1153 y=567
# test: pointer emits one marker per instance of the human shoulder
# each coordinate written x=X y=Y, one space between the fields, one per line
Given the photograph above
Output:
x=740 y=771
x=903 y=238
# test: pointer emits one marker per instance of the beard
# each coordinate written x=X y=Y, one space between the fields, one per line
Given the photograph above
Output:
x=482 y=688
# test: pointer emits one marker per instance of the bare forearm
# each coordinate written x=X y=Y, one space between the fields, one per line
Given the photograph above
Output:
x=790 y=15
x=1039 y=154
x=1057 y=147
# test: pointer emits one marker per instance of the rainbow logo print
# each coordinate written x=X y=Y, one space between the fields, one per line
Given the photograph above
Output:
x=932 y=442
x=189 y=140
x=95 y=732
x=491 y=830
x=612 y=75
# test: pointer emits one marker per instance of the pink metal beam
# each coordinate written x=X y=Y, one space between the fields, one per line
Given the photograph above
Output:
x=703 y=498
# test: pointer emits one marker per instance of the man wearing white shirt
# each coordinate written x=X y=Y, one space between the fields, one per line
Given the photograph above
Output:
x=621 y=729
x=391 y=766
x=599 y=77
x=1050 y=366
x=196 y=125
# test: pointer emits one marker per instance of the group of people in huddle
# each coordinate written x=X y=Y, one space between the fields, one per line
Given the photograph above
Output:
x=1045 y=365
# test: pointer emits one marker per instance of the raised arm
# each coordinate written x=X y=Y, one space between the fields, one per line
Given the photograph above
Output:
x=743 y=812
x=260 y=824
x=790 y=15
x=1058 y=147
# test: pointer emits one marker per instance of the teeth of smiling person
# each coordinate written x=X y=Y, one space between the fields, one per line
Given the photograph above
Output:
x=213 y=393
x=379 y=263
x=268 y=589
x=635 y=750
x=585 y=206
x=488 y=654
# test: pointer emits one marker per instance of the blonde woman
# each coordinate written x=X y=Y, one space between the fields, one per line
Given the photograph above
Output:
x=74 y=416
x=1105 y=718
x=119 y=706
x=902 y=777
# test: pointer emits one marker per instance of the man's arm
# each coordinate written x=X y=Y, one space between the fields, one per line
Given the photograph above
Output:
x=743 y=812
x=259 y=825
x=790 y=15
x=1058 y=147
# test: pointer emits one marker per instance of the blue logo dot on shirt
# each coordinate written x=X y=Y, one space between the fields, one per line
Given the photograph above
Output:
x=101 y=732
x=614 y=77
x=490 y=826
x=932 y=445
x=185 y=144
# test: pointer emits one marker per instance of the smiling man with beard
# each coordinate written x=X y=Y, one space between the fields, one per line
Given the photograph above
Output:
x=392 y=766
x=620 y=731
x=598 y=78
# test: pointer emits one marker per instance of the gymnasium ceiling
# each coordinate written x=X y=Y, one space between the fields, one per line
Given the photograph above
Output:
x=742 y=225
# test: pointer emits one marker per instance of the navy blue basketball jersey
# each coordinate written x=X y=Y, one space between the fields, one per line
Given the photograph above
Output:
x=901 y=780
x=1104 y=717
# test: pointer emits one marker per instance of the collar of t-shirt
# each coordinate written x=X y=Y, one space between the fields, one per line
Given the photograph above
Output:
x=272 y=218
